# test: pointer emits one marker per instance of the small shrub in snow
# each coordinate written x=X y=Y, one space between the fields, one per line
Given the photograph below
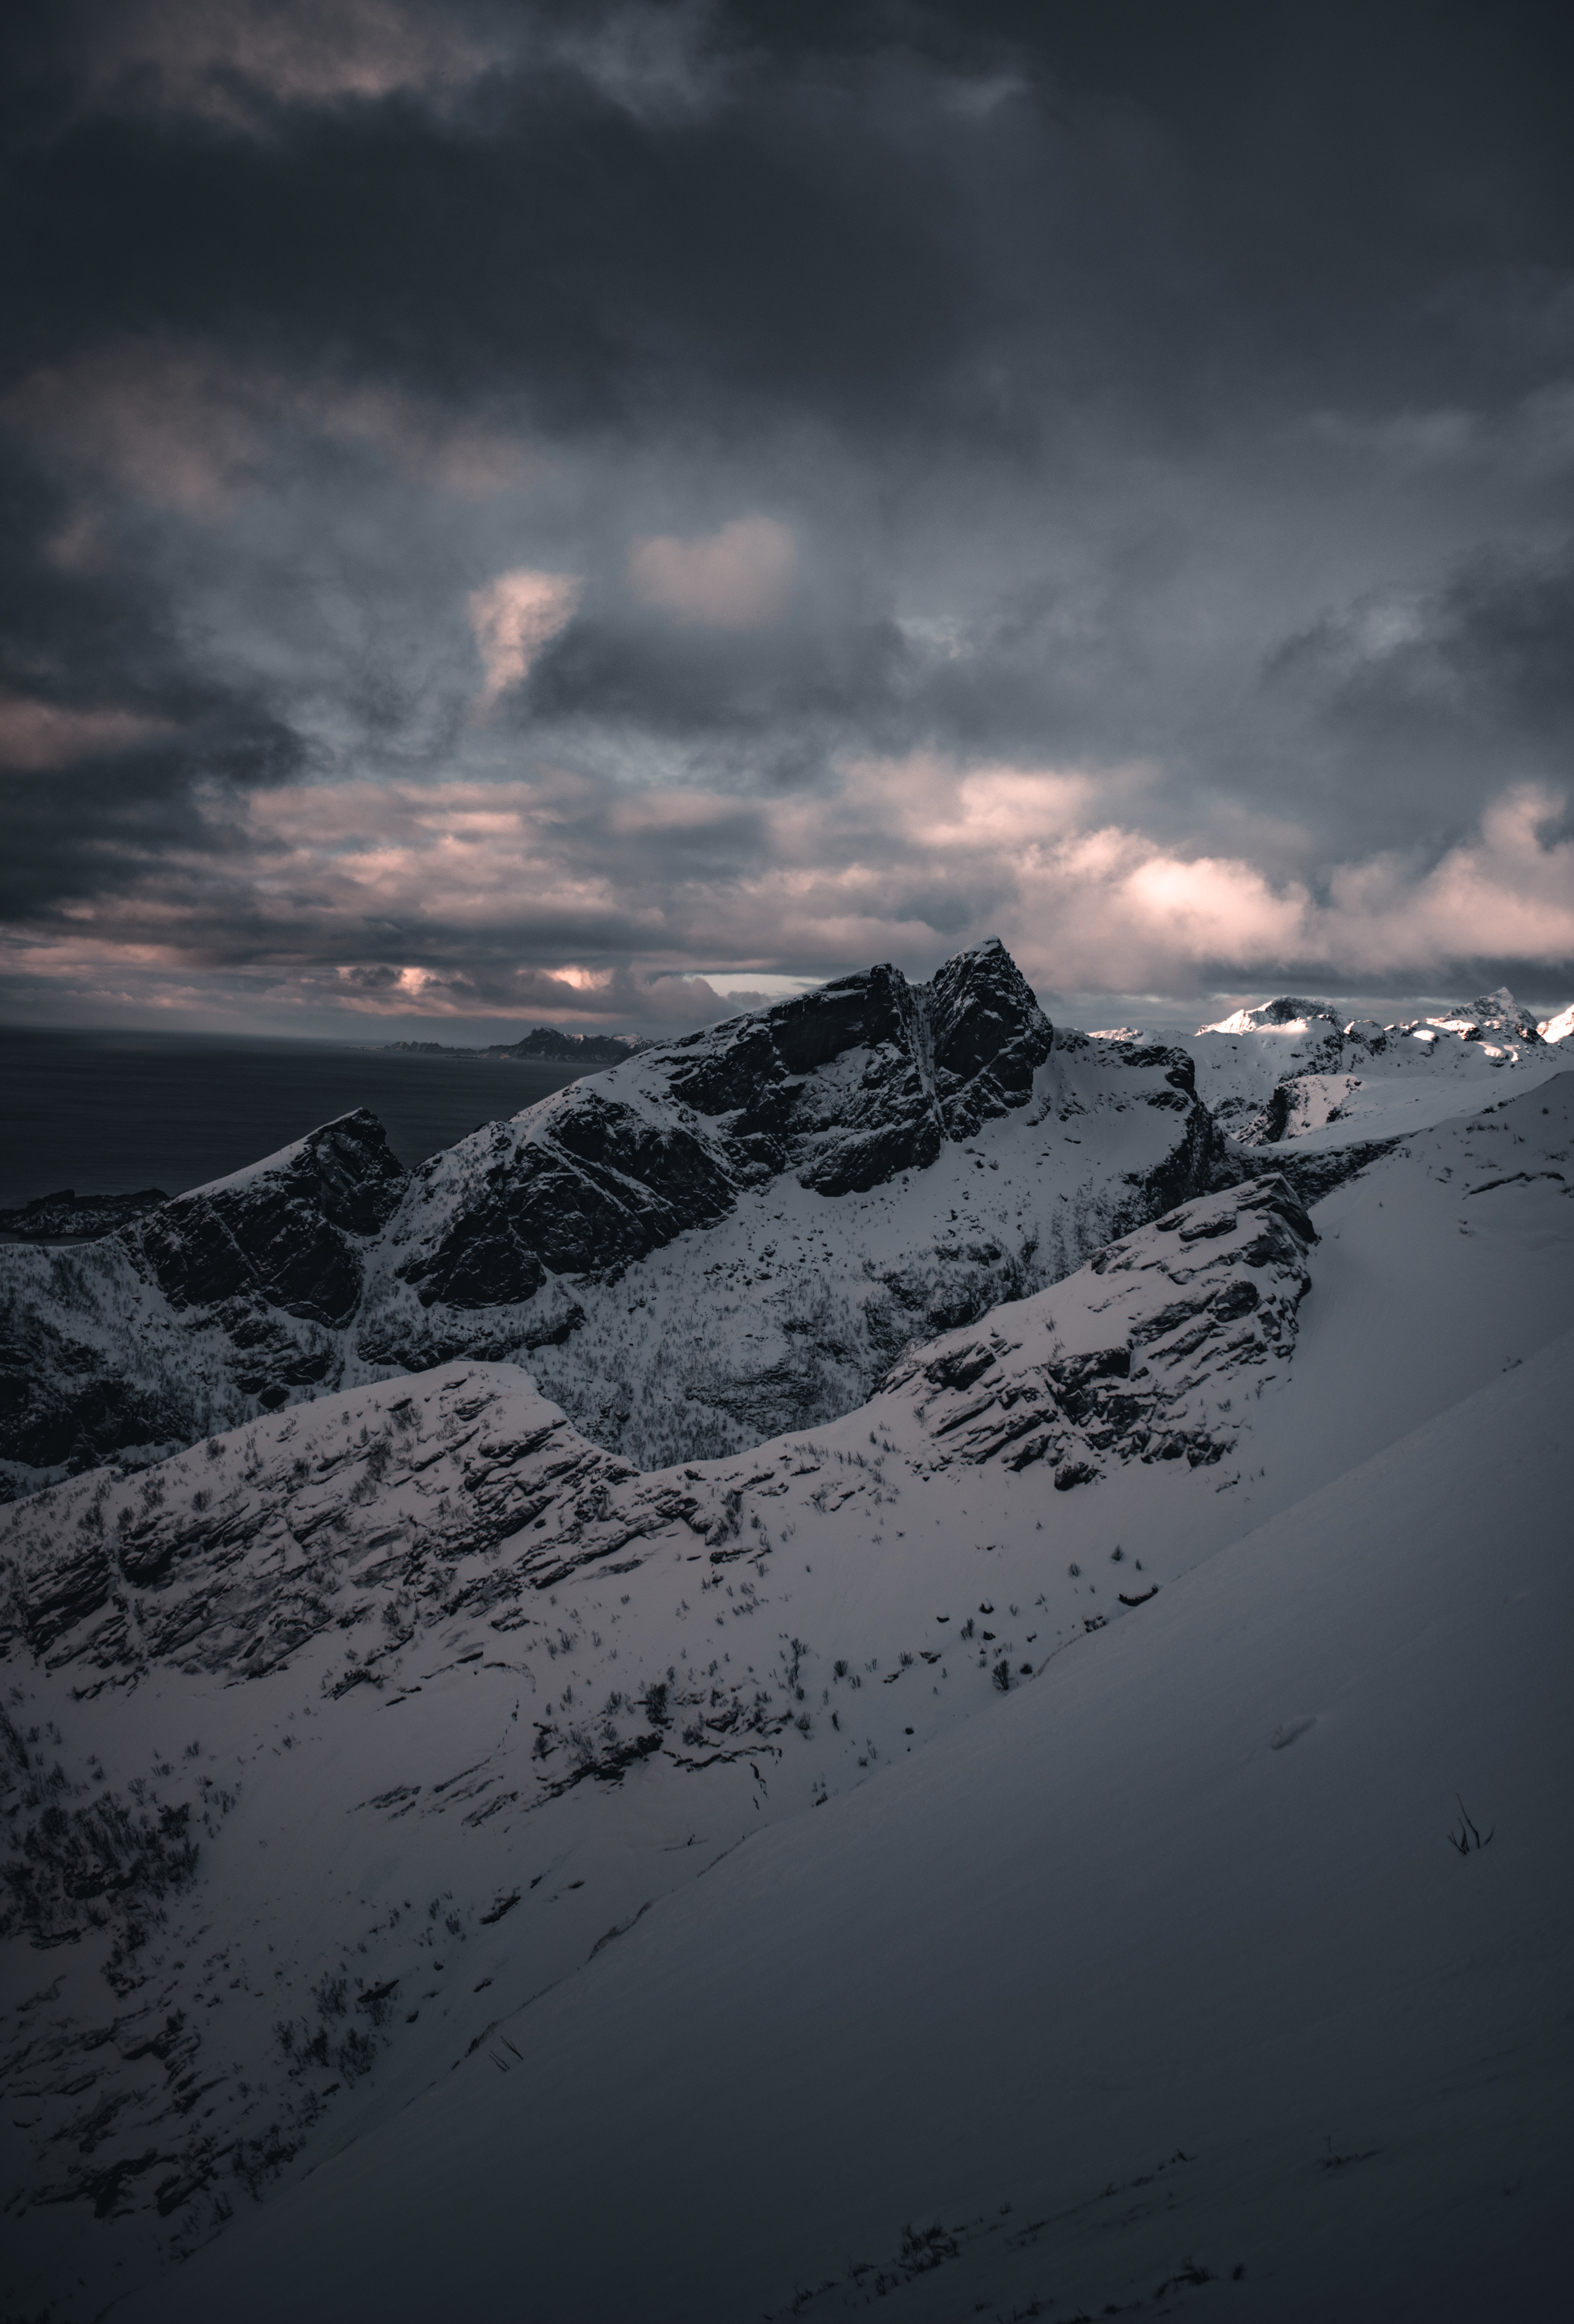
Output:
x=1467 y=1839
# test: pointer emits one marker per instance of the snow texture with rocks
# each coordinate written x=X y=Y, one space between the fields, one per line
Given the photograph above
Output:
x=982 y=1844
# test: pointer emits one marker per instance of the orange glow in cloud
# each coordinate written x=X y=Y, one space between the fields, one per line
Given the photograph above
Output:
x=190 y=56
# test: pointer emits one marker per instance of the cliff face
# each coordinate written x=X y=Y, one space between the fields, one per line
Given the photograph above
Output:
x=287 y=1234
x=720 y=1238
x=844 y=1087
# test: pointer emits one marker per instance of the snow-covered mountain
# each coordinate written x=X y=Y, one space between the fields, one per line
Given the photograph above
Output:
x=1298 y=1071
x=721 y=1239
x=348 y=1748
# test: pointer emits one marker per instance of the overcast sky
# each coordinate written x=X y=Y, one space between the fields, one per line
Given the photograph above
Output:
x=583 y=512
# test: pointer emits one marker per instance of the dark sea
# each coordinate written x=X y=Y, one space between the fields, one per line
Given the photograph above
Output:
x=109 y=1113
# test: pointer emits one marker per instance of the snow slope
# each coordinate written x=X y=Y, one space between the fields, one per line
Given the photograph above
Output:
x=506 y=1692
x=1162 y=1990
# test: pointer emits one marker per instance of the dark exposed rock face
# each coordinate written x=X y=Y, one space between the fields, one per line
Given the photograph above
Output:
x=989 y=1037
x=288 y=1232
x=1194 y=1305
x=1312 y=1176
x=842 y=1093
x=910 y=1065
x=847 y=1086
x=97 y=1354
x=603 y=1188
x=195 y=1558
x=63 y=1403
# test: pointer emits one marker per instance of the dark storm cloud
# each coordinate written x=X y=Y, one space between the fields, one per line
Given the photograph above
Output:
x=1481 y=664
x=830 y=229
x=833 y=478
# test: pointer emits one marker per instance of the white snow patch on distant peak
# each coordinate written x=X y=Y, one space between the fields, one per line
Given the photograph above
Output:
x=1286 y=1015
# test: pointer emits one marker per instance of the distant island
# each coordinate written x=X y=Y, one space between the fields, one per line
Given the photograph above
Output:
x=543 y=1041
x=69 y=1217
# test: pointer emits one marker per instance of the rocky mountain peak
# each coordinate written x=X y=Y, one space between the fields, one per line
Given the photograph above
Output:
x=988 y=1033
x=570 y=1048
x=1287 y=1014
x=1490 y=1013
x=284 y=1230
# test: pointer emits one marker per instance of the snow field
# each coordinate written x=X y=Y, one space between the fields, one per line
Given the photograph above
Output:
x=1107 y=1927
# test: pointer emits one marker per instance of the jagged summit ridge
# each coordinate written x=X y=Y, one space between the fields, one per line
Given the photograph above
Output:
x=239 y=1552
x=1497 y=1011
x=290 y=1232
x=729 y=1235
x=846 y=1087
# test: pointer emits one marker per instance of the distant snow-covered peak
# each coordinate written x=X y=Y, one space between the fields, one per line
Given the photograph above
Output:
x=1296 y=1070
x=1557 y=1027
x=1287 y=1017
x=1490 y=1013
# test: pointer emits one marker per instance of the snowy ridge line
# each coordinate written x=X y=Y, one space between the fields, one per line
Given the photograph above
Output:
x=426 y=1587
x=721 y=1239
x=1117 y=1885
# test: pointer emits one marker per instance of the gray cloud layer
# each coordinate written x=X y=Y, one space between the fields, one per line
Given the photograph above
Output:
x=512 y=507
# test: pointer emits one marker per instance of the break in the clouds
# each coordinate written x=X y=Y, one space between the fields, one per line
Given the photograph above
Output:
x=594 y=510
